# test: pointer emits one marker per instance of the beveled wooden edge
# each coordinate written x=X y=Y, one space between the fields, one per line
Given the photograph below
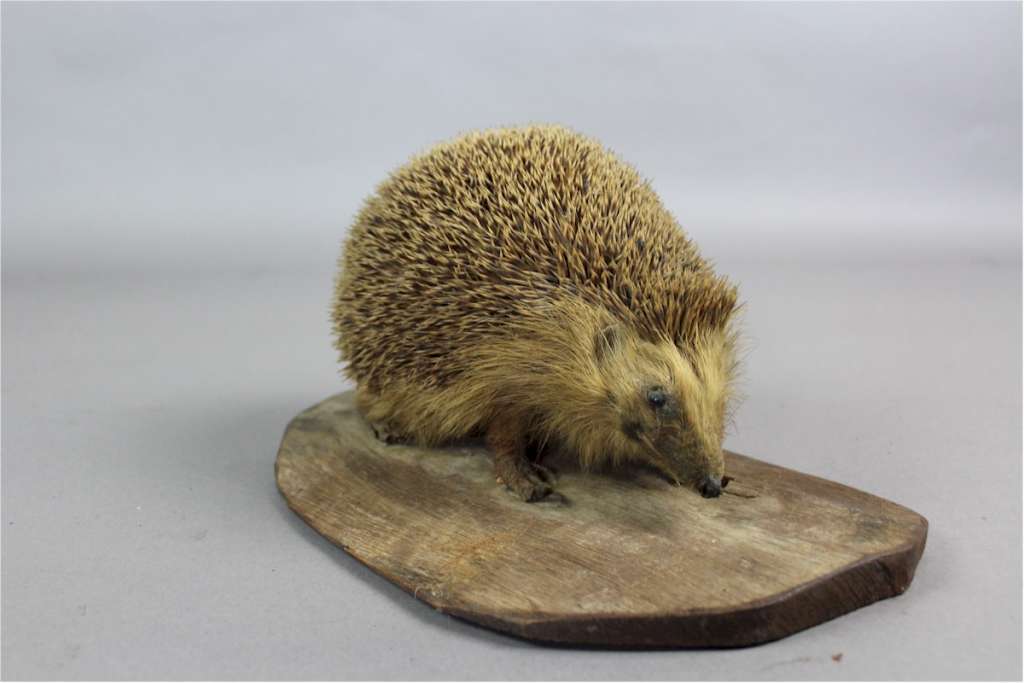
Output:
x=755 y=623
x=752 y=623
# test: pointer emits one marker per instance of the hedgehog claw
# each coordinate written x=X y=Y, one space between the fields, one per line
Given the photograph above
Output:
x=532 y=489
x=529 y=484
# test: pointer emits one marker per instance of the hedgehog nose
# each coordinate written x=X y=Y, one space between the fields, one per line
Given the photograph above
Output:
x=710 y=487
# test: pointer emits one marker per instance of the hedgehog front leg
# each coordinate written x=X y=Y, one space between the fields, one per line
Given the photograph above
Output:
x=507 y=442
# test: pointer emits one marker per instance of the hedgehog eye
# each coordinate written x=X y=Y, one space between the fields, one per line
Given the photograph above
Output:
x=656 y=397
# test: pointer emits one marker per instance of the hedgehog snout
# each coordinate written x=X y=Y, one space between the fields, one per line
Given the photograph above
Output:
x=710 y=487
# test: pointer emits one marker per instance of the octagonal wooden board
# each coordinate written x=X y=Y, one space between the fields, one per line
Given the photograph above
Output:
x=621 y=559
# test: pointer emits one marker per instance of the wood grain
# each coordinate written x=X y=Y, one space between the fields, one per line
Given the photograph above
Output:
x=621 y=559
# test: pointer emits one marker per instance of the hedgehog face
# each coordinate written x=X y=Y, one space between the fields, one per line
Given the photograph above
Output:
x=670 y=404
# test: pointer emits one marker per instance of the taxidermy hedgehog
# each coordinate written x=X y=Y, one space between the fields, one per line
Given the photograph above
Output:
x=526 y=285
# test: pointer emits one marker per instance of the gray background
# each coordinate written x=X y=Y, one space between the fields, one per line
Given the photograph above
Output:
x=177 y=179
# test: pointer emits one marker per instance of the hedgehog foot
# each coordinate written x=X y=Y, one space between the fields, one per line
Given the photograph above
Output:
x=529 y=481
x=545 y=473
x=386 y=434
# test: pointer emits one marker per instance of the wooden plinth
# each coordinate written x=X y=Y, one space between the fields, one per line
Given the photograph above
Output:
x=618 y=560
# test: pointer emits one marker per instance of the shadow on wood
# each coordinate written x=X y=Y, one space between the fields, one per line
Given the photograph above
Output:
x=626 y=560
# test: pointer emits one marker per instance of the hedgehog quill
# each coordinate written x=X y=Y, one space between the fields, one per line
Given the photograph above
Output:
x=526 y=285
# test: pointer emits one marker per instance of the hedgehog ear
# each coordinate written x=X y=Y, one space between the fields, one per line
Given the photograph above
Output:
x=607 y=340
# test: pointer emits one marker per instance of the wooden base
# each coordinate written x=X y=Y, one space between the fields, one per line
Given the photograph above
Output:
x=620 y=559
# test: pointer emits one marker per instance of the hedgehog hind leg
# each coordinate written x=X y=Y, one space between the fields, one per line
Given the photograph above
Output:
x=529 y=481
x=386 y=433
x=378 y=414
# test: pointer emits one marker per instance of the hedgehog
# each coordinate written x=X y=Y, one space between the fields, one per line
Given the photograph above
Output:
x=527 y=286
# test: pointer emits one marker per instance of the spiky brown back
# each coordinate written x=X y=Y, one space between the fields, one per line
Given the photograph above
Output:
x=482 y=232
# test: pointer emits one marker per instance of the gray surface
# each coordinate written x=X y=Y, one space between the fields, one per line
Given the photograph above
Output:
x=143 y=536
x=176 y=179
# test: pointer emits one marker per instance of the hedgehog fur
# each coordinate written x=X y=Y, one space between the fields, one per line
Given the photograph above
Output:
x=527 y=285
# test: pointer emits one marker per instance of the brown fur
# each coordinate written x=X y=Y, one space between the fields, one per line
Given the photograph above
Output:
x=526 y=279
